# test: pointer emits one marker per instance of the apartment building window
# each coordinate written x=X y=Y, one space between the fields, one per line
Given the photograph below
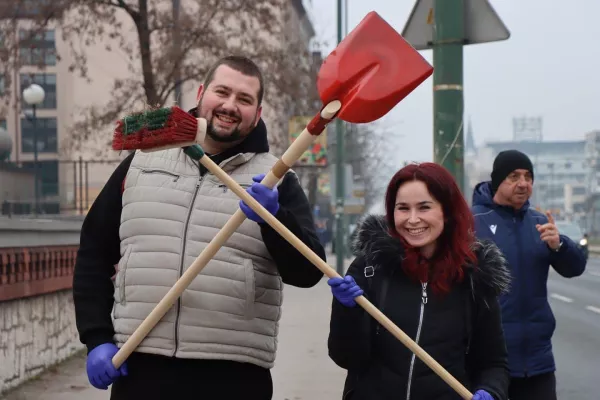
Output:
x=555 y=192
x=46 y=81
x=47 y=135
x=48 y=176
x=3 y=124
x=37 y=48
x=31 y=8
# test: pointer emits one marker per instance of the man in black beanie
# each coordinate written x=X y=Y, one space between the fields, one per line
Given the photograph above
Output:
x=510 y=164
x=531 y=243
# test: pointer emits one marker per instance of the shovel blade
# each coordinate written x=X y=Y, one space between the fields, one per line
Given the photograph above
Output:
x=371 y=71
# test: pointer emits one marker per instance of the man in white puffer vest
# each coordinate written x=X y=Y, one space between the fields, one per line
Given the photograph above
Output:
x=155 y=215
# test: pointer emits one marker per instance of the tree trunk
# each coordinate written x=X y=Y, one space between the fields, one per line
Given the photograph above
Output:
x=146 y=53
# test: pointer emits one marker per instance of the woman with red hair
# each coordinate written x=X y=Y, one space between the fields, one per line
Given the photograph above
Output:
x=421 y=266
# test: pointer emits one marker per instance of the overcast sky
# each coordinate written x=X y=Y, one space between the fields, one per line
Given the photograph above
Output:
x=550 y=67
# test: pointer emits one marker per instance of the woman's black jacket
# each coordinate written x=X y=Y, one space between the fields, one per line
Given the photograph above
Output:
x=462 y=330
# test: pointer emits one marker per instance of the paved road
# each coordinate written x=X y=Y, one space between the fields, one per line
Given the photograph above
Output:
x=304 y=372
x=576 y=306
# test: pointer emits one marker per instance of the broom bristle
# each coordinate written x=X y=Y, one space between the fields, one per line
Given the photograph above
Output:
x=154 y=128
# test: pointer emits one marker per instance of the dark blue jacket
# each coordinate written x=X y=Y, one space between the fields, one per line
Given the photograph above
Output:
x=527 y=319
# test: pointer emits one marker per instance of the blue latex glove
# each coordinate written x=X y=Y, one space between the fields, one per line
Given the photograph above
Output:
x=345 y=290
x=482 y=395
x=268 y=198
x=100 y=369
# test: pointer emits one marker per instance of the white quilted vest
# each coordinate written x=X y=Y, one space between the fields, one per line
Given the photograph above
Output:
x=231 y=310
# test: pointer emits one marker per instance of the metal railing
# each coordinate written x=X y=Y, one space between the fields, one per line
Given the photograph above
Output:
x=79 y=182
x=31 y=271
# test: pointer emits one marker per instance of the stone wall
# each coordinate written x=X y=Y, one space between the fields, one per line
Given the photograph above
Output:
x=35 y=333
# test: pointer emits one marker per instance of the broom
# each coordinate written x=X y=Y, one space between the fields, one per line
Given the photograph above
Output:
x=159 y=129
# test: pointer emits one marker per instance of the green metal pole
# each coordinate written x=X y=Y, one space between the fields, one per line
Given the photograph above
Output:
x=448 y=102
x=340 y=245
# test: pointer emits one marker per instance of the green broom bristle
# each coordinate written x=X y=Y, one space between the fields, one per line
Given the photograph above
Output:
x=150 y=120
x=155 y=128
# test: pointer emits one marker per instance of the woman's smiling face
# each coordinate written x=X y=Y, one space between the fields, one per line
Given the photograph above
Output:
x=418 y=217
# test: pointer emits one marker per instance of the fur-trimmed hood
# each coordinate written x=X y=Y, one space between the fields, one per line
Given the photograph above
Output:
x=373 y=242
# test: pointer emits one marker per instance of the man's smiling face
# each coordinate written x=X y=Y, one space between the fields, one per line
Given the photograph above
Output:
x=230 y=105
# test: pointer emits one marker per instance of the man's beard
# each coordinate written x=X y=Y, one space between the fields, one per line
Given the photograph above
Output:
x=233 y=136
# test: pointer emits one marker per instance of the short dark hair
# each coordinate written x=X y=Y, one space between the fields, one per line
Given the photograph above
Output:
x=241 y=64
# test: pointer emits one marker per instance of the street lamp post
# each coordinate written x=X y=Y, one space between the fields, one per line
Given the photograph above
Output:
x=34 y=95
x=340 y=241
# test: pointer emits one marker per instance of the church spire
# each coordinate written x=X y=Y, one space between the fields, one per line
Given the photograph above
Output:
x=470 y=141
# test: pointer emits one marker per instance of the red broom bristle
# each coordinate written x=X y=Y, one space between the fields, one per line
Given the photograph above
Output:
x=179 y=127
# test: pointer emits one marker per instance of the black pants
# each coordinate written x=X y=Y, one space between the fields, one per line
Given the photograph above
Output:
x=152 y=377
x=539 y=387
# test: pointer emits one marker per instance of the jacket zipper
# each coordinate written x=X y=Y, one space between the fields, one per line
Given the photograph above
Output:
x=226 y=188
x=185 y=230
x=160 y=171
x=521 y=302
x=412 y=361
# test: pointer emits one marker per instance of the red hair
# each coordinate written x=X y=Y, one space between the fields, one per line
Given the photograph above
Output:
x=454 y=247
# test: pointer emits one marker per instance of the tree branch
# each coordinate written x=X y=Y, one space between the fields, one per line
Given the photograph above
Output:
x=208 y=29
x=134 y=14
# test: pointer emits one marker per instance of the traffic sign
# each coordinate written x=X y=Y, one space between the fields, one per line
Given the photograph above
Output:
x=482 y=24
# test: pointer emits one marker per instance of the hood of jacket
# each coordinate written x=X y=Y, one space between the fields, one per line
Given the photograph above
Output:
x=374 y=242
x=482 y=196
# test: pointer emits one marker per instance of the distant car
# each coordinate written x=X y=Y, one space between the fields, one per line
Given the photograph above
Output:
x=574 y=232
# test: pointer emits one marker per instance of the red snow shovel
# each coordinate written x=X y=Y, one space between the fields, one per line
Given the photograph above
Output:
x=370 y=71
x=372 y=83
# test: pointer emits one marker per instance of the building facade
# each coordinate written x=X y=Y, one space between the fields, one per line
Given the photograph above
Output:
x=592 y=158
x=560 y=172
x=72 y=178
x=563 y=170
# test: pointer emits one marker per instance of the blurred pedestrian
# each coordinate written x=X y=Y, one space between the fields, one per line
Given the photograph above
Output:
x=531 y=243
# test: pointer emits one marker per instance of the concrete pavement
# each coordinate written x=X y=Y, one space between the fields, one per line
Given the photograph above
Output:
x=302 y=371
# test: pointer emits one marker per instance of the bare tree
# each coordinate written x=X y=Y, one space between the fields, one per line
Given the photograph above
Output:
x=167 y=49
x=370 y=149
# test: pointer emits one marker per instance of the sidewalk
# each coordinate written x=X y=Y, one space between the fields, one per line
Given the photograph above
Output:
x=303 y=370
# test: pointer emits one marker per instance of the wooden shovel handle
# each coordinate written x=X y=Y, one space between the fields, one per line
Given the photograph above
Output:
x=330 y=272
x=228 y=230
x=292 y=154
x=414 y=347
x=230 y=227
